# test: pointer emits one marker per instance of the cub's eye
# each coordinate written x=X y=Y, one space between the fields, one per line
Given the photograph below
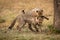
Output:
x=37 y=11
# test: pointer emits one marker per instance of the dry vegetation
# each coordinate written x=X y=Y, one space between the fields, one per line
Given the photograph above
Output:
x=9 y=9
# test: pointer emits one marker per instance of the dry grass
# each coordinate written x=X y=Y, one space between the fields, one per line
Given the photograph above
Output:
x=9 y=10
x=26 y=35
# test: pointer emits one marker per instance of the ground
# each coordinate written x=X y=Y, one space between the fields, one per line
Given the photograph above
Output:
x=26 y=34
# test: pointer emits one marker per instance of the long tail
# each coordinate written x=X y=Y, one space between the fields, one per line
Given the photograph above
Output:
x=14 y=21
x=12 y=24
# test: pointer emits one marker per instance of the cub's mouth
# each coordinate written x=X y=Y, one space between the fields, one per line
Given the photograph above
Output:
x=43 y=17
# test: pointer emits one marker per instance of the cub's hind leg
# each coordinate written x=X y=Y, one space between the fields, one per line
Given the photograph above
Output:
x=30 y=27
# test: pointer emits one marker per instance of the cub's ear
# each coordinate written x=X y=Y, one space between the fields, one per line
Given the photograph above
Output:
x=41 y=10
x=23 y=11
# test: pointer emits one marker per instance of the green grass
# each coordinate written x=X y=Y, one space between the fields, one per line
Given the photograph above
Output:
x=2 y=20
x=52 y=29
x=24 y=35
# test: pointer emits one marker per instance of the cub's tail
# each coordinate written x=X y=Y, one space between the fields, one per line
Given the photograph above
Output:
x=12 y=24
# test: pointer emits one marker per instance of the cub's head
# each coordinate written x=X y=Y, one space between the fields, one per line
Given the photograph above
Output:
x=38 y=11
